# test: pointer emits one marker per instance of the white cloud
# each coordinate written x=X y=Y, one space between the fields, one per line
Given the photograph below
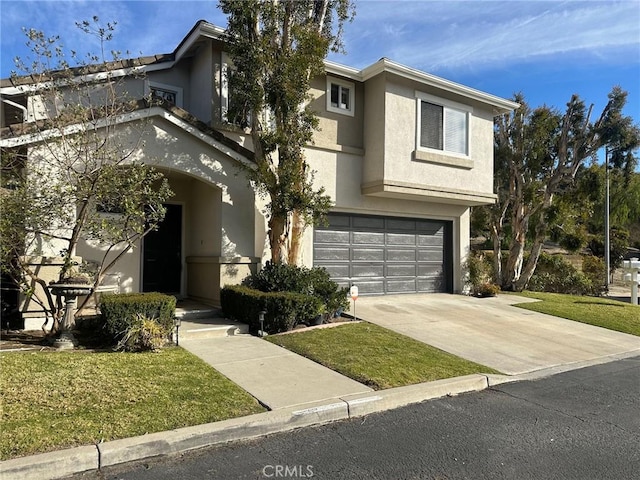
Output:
x=435 y=36
x=448 y=35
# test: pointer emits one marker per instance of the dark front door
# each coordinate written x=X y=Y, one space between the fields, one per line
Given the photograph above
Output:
x=162 y=257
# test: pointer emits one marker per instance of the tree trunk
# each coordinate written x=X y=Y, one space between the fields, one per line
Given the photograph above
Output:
x=278 y=237
x=298 y=227
x=528 y=271
x=497 y=255
x=541 y=228
x=513 y=269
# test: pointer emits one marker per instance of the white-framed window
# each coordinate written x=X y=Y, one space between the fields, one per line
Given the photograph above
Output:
x=442 y=125
x=225 y=73
x=170 y=93
x=340 y=96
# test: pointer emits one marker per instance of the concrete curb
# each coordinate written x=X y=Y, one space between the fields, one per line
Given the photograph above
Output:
x=50 y=465
x=63 y=463
x=494 y=380
x=381 y=400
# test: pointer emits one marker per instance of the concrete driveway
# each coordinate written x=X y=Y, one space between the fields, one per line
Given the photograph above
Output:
x=492 y=332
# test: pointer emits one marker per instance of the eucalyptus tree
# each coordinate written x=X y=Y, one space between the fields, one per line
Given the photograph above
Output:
x=277 y=47
x=538 y=153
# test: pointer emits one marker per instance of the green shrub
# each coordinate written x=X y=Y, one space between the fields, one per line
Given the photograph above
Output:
x=284 y=310
x=595 y=270
x=480 y=269
x=332 y=296
x=119 y=311
x=145 y=334
x=554 y=274
x=280 y=277
x=291 y=278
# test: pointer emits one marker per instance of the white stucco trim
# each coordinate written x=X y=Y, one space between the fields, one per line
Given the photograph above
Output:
x=202 y=28
x=334 y=147
x=419 y=192
x=42 y=136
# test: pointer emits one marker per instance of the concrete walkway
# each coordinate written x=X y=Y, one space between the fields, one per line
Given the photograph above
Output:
x=494 y=333
x=277 y=377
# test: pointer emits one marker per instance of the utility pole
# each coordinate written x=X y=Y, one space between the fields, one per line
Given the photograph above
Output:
x=607 y=239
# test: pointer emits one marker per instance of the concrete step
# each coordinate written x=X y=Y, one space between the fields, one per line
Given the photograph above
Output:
x=199 y=312
x=199 y=328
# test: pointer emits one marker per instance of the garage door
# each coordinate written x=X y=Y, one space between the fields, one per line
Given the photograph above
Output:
x=385 y=254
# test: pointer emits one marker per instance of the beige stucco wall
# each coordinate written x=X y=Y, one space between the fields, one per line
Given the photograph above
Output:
x=201 y=83
x=374 y=129
x=400 y=143
x=335 y=130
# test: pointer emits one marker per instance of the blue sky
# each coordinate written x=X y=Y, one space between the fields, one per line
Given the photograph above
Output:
x=546 y=49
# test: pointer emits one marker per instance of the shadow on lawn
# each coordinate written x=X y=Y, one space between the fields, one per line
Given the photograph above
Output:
x=89 y=333
x=601 y=303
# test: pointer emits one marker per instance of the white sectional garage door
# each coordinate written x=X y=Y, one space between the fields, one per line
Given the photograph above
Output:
x=385 y=254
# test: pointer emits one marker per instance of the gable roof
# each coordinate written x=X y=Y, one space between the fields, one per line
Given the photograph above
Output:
x=19 y=84
x=29 y=133
x=203 y=29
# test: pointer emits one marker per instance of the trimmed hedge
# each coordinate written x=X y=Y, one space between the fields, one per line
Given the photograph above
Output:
x=284 y=310
x=121 y=311
x=281 y=277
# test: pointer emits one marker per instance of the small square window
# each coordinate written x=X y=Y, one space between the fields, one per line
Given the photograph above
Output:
x=340 y=96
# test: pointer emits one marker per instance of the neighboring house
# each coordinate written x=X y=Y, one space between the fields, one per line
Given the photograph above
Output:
x=403 y=154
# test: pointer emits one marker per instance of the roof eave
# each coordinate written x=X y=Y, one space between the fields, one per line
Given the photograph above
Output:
x=500 y=105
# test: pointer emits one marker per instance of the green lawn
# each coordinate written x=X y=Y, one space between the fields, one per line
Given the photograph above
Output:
x=376 y=356
x=601 y=312
x=63 y=399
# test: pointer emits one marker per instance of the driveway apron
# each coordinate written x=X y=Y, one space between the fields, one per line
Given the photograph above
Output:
x=493 y=332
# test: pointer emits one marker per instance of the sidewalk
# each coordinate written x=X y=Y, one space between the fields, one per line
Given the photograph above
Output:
x=277 y=377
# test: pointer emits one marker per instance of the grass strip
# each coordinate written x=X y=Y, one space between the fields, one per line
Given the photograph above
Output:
x=54 y=400
x=601 y=312
x=376 y=356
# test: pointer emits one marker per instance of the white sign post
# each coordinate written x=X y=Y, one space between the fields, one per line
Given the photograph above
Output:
x=632 y=267
x=354 y=296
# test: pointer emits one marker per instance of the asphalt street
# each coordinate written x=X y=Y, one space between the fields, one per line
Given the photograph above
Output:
x=583 y=424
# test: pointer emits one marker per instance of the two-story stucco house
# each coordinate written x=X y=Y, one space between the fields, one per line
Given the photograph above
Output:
x=403 y=154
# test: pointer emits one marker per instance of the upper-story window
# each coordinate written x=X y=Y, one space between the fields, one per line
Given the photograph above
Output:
x=169 y=93
x=241 y=117
x=340 y=96
x=442 y=125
